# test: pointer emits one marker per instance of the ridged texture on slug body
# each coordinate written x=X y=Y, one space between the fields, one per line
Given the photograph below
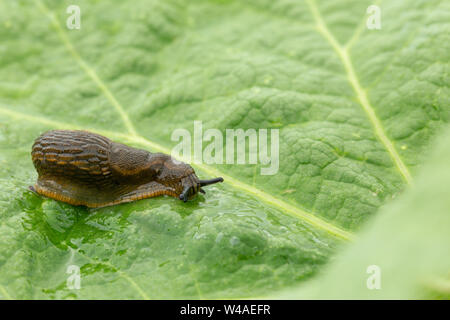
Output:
x=83 y=168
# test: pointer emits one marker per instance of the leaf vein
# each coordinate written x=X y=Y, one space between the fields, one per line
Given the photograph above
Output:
x=5 y=293
x=360 y=92
x=86 y=68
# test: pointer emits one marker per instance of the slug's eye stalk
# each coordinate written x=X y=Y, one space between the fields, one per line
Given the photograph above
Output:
x=192 y=186
x=86 y=169
x=211 y=181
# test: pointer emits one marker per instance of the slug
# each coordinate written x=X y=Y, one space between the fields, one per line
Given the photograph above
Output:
x=84 y=168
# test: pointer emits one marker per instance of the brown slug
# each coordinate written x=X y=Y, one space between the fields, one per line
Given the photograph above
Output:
x=84 y=168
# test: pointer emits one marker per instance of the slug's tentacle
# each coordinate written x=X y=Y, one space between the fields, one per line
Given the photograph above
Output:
x=184 y=196
x=211 y=181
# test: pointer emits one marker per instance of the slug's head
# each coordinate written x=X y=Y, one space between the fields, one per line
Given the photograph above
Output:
x=181 y=177
x=192 y=185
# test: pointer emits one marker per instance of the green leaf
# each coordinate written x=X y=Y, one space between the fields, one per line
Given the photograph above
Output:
x=408 y=241
x=356 y=110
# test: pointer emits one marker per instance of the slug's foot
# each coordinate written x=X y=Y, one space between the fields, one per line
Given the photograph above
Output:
x=192 y=185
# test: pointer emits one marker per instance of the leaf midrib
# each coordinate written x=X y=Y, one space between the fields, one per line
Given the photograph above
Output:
x=133 y=136
x=139 y=140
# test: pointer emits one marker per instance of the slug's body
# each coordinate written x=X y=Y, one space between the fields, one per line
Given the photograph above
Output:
x=83 y=168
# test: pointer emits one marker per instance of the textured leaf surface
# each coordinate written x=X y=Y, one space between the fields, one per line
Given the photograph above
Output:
x=408 y=240
x=356 y=111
